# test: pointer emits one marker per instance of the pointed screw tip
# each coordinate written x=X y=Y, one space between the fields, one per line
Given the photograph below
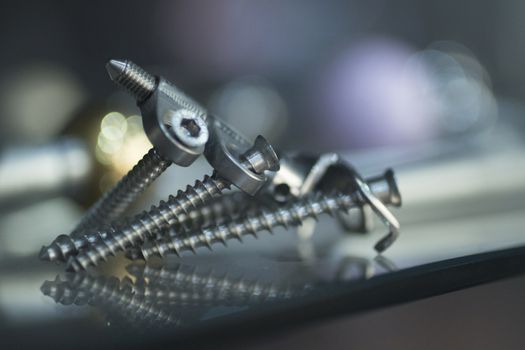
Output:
x=115 y=68
x=44 y=254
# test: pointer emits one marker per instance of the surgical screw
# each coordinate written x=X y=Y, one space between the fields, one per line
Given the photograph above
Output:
x=187 y=120
x=171 y=212
x=131 y=77
x=291 y=215
x=219 y=210
x=258 y=159
x=114 y=203
x=142 y=84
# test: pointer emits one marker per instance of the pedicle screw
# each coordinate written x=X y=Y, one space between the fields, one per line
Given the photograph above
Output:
x=291 y=215
x=174 y=211
x=258 y=159
x=141 y=84
x=221 y=209
x=113 y=204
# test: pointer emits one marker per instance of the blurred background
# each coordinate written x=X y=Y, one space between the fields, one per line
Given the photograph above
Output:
x=435 y=89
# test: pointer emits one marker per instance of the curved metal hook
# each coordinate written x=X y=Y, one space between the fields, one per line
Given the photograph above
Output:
x=382 y=211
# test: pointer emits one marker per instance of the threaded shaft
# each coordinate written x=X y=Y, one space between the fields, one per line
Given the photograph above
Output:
x=109 y=208
x=220 y=210
x=132 y=78
x=292 y=215
x=147 y=224
x=225 y=207
x=115 y=202
x=141 y=85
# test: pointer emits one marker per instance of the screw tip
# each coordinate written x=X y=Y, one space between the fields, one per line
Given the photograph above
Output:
x=115 y=68
x=44 y=254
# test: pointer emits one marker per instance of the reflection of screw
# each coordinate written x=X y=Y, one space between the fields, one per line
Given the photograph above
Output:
x=109 y=293
x=203 y=289
x=146 y=225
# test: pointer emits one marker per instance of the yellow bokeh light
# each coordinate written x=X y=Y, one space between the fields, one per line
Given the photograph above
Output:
x=121 y=142
x=113 y=126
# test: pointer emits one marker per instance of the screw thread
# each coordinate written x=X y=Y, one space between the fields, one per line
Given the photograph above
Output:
x=149 y=223
x=109 y=208
x=222 y=209
x=293 y=215
x=115 y=202
x=142 y=84
x=132 y=78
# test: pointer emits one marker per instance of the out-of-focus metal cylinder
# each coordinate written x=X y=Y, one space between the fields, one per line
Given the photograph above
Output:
x=32 y=173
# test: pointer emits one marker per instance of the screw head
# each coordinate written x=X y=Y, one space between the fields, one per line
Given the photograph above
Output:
x=188 y=127
x=261 y=156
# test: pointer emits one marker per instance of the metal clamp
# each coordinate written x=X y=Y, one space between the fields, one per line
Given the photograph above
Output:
x=299 y=175
x=226 y=153
x=177 y=130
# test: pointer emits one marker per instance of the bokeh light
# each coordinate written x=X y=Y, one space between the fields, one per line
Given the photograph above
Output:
x=382 y=92
x=253 y=106
x=121 y=143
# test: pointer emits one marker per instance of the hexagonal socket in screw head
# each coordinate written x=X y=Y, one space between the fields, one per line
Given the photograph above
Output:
x=188 y=127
